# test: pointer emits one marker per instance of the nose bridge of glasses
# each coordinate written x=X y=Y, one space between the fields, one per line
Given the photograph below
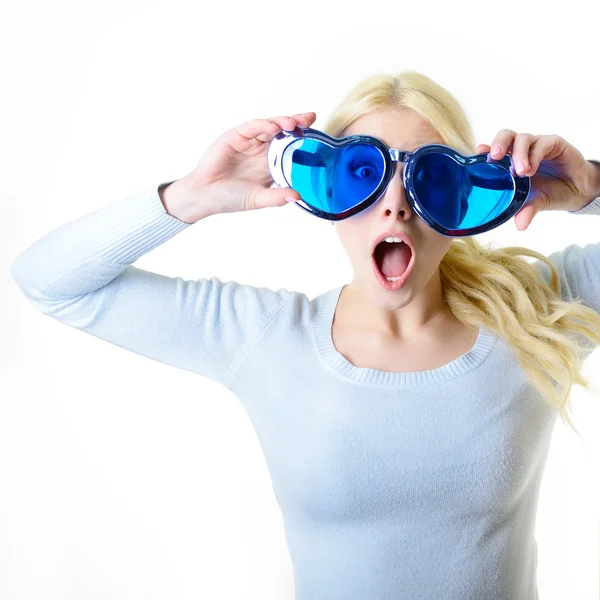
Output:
x=399 y=155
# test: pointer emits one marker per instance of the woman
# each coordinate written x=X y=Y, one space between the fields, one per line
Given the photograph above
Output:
x=405 y=430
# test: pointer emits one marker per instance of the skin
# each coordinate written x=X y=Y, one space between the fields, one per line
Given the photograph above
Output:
x=418 y=307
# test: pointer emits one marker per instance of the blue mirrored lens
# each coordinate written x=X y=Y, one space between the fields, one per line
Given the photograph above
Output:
x=461 y=196
x=333 y=179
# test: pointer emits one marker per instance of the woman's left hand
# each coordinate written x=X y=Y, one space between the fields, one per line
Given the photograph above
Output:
x=561 y=178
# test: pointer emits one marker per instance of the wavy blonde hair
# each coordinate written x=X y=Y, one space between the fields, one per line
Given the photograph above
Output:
x=495 y=288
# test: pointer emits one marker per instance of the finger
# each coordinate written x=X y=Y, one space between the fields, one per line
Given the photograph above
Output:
x=540 y=148
x=288 y=124
x=482 y=148
x=520 y=152
x=502 y=143
x=256 y=129
x=263 y=130
x=545 y=147
x=307 y=117
x=302 y=119
x=282 y=122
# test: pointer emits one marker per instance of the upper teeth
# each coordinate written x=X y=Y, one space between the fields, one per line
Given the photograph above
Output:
x=392 y=239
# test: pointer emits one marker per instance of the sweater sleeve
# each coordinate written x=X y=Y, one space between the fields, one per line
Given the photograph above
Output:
x=578 y=267
x=82 y=275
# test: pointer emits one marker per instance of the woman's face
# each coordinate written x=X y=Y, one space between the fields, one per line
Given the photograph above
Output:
x=405 y=130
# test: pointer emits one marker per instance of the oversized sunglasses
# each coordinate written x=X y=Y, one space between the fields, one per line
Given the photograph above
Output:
x=454 y=194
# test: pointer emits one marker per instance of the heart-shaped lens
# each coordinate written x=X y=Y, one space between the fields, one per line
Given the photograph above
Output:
x=333 y=179
x=461 y=196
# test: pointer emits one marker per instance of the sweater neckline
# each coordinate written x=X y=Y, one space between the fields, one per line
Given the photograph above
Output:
x=373 y=377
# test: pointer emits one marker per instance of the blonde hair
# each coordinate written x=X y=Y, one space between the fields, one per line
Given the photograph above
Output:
x=495 y=288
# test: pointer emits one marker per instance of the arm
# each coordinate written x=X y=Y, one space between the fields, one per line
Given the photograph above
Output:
x=81 y=274
x=578 y=267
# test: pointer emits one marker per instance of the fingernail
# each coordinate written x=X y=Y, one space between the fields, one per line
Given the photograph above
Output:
x=496 y=150
x=287 y=199
x=520 y=166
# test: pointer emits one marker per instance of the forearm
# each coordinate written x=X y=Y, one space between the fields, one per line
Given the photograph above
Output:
x=87 y=253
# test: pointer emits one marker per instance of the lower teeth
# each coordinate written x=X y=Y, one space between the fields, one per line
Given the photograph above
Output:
x=393 y=278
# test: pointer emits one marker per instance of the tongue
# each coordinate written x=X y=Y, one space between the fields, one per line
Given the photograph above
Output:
x=395 y=259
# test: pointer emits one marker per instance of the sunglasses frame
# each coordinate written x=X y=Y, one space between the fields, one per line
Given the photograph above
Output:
x=278 y=145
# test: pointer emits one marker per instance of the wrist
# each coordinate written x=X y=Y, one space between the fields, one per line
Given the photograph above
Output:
x=594 y=180
x=176 y=200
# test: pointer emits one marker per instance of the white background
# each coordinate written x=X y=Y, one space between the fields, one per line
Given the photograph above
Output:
x=127 y=479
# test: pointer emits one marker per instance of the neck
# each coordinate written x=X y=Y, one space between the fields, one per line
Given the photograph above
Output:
x=427 y=310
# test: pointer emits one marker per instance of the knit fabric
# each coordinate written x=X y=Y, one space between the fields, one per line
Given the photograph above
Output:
x=415 y=485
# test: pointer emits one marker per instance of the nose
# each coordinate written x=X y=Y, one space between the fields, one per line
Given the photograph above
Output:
x=394 y=200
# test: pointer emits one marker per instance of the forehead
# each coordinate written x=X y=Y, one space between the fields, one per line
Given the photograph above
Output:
x=397 y=128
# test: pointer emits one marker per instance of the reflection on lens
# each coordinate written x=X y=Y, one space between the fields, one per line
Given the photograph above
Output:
x=333 y=179
x=461 y=196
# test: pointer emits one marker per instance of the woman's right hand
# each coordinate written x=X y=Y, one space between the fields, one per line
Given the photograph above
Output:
x=233 y=174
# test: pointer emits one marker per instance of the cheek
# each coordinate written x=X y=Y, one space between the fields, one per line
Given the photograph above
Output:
x=431 y=249
x=352 y=241
x=440 y=250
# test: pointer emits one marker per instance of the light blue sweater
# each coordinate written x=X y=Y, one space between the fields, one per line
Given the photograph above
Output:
x=420 y=485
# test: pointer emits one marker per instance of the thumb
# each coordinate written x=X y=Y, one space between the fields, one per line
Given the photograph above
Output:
x=528 y=211
x=524 y=217
x=275 y=197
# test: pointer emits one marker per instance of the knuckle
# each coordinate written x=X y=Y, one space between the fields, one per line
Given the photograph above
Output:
x=524 y=137
x=282 y=121
x=270 y=122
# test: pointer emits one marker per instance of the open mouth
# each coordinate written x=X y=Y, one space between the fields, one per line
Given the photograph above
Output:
x=392 y=259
